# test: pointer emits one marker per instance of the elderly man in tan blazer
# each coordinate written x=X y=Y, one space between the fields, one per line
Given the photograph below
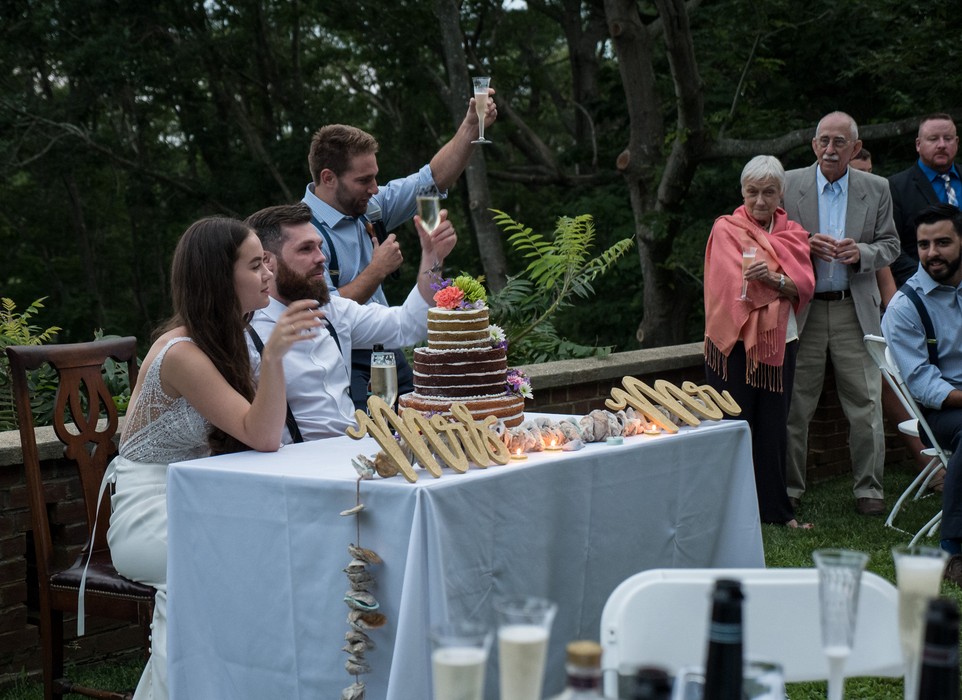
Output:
x=849 y=216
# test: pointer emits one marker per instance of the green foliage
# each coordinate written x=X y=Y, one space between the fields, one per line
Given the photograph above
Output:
x=16 y=329
x=560 y=268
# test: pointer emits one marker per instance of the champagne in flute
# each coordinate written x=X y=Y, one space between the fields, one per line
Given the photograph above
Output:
x=524 y=625
x=384 y=375
x=480 y=105
x=748 y=257
x=460 y=653
x=918 y=571
x=429 y=208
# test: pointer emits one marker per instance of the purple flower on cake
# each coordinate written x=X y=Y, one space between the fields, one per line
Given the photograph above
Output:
x=518 y=384
x=449 y=298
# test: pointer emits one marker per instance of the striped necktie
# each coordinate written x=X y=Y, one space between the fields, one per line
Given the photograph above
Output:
x=949 y=192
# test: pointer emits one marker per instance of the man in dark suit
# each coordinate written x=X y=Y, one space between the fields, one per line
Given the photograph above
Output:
x=849 y=216
x=934 y=178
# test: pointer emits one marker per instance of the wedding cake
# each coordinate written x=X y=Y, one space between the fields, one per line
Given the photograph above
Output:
x=465 y=360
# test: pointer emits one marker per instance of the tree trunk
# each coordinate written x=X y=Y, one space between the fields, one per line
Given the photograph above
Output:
x=490 y=246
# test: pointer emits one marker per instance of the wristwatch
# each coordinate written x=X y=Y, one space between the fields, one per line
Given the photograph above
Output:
x=781 y=282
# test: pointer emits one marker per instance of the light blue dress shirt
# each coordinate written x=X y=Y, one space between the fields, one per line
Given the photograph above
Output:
x=832 y=205
x=938 y=184
x=903 y=331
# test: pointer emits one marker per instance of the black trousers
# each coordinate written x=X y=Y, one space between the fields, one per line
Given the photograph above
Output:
x=767 y=414
x=361 y=376
x=947 y=428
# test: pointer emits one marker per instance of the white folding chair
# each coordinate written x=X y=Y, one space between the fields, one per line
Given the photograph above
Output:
x=939 y=457
x=660 y=617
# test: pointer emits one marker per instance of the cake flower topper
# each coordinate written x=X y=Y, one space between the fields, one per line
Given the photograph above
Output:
x=463 y=292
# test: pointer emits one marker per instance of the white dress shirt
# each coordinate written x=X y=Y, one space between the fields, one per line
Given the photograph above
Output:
x=317 y=375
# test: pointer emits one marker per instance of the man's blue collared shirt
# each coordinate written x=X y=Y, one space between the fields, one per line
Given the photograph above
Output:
x=398 y=202
x=905 y=335
x=938 y=184
x=832 y=205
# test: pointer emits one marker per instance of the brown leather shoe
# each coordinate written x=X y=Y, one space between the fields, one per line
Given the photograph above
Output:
x=953 y=570
x=870 y=506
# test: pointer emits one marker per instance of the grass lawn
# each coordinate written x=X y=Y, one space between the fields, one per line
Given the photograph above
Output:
x=829 y=505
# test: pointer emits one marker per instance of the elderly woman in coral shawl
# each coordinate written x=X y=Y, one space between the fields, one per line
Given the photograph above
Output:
x=751 y=341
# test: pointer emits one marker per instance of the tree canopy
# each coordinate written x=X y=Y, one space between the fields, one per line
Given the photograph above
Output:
x=121 y=123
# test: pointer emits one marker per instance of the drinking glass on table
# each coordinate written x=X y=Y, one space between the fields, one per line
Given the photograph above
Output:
x=748 y=257
x=524 y=625
x=839 y=578
x=480 y=105
x=459 y=654
x=918 y=572
x=384 y=375
x=429 y=207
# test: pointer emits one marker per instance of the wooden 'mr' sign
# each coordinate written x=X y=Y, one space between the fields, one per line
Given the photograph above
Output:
x=455 y=443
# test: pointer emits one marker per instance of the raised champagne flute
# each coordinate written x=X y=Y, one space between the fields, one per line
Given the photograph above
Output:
x=918 y=573
x=384 y=375
x=429 y=207
x=748 y=257
x=839 y=578
x=481 y=104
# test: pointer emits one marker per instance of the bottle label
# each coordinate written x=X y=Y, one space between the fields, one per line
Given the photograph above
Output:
x=939 y=656
x=725 y=633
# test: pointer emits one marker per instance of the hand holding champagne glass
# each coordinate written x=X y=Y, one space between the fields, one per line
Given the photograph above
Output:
x=748 y=257
x=481 y=105
x=918 y=572
x=429 y=208
x=524 y=625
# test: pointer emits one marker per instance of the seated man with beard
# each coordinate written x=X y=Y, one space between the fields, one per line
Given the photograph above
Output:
x=318 y=373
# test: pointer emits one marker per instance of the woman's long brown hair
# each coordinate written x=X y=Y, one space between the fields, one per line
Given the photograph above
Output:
x=206 y=303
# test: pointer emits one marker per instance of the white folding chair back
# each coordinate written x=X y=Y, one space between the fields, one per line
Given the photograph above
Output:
x=660 y=617
x=916 y=425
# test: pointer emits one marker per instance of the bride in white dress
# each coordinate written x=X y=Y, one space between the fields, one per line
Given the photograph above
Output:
x=197 y=397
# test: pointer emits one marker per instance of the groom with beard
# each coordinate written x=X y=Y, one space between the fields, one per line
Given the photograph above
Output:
x=317 y=374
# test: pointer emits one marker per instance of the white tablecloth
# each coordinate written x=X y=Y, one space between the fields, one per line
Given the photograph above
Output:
x=257 y=548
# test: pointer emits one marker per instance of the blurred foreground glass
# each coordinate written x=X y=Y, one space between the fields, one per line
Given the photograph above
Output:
x=459 y=654
x=839 y=577
x=762 y=680
x=524 y=626
x=918 y=573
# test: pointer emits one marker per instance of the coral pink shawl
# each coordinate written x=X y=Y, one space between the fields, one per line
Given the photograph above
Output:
x=762 y=322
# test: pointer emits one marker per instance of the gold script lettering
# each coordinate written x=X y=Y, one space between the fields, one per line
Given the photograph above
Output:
x=637 y=393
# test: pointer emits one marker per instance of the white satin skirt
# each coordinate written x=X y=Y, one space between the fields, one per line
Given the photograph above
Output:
x=137 y=537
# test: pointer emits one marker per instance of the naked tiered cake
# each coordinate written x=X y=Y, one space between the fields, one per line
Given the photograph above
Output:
x=462 y=363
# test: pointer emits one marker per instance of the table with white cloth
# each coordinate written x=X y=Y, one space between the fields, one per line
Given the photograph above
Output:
x=257 y=548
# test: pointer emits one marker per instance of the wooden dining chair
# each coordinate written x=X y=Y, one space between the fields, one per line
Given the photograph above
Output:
x=85 y=421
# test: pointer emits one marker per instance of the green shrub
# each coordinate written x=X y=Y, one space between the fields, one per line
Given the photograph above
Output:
x=16 y=329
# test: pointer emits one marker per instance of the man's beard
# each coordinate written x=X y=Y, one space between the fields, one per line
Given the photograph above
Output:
x=292 y=286
x=349 y=206
x=950 y=268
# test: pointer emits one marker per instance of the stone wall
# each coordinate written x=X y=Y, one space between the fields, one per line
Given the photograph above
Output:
x=571 y=387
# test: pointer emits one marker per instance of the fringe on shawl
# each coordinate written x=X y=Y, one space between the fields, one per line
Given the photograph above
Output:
x=758 y=374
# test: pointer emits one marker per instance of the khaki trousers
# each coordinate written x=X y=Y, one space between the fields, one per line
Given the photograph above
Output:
x=832 y=332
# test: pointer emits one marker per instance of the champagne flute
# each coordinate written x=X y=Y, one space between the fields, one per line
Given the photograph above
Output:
x=839 y=577
x=837 y=232
x=524 y=625
x=480 y=105
x=460 y=653
x=748 y=257
x=384 y=376
x=918 y=571
x=429 y=208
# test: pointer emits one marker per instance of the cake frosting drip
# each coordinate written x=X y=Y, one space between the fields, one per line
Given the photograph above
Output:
x=459 y=365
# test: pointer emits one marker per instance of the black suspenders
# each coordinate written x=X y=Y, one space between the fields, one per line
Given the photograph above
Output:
x=291 y=423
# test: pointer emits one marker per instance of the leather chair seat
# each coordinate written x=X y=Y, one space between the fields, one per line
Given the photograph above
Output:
x=102 y=578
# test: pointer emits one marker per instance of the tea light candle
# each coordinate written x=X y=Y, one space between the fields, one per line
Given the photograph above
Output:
x=553 y=445
x=652 y=429
x=615 y=440
x=519 y=455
